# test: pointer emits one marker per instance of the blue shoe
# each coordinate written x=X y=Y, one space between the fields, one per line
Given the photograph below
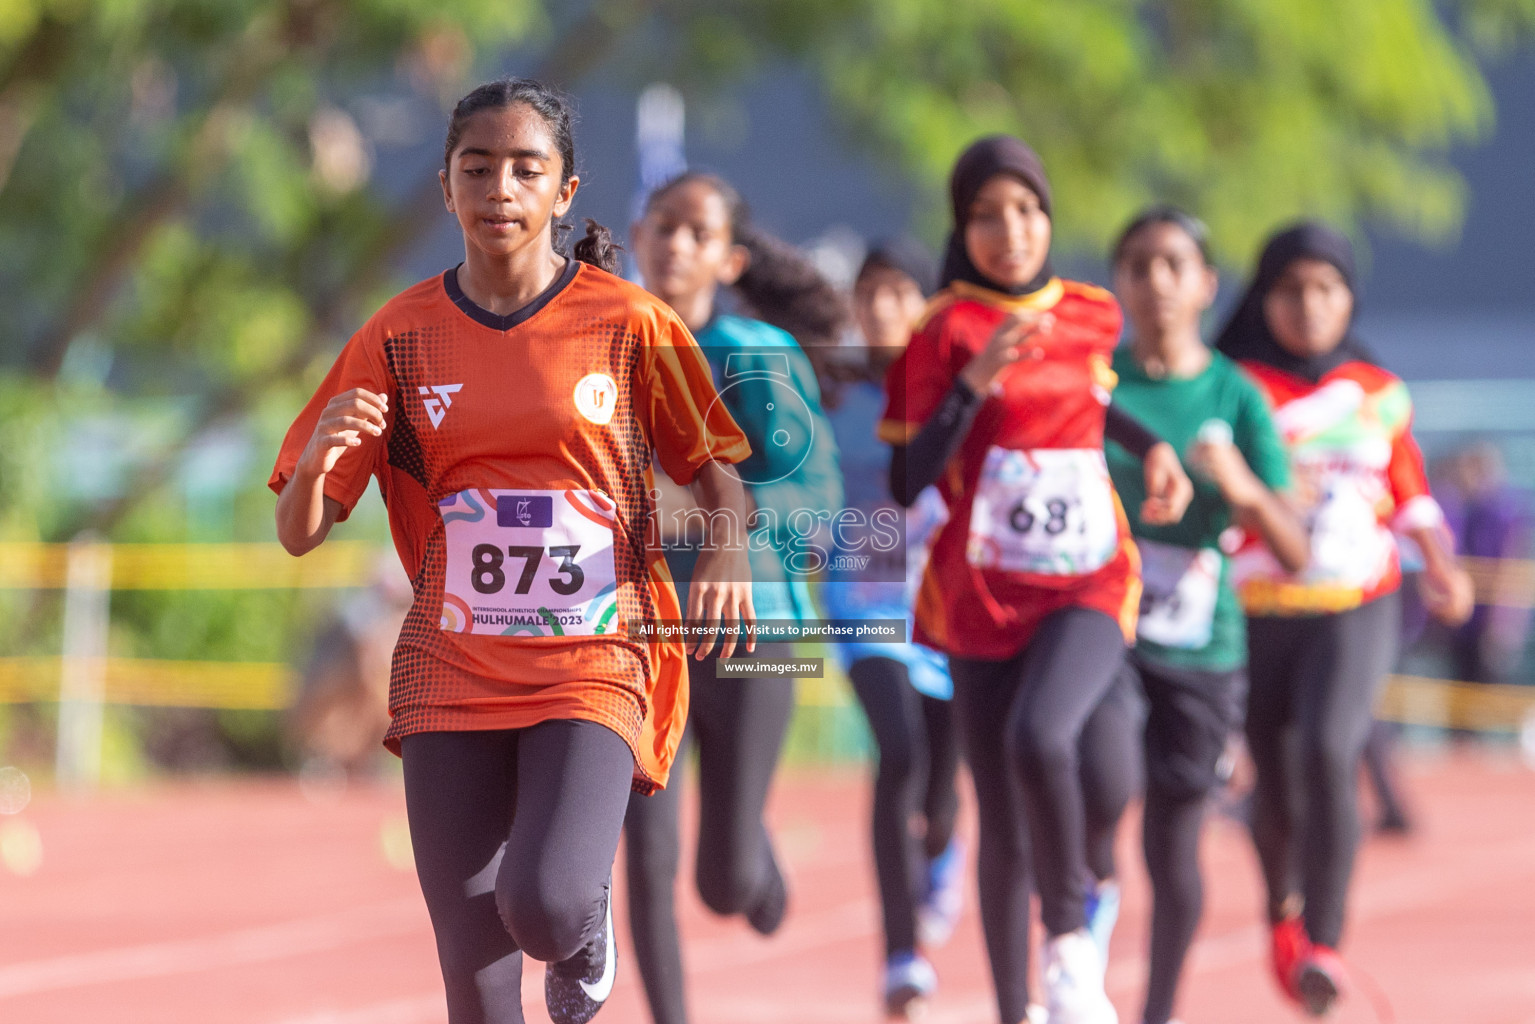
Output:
x=943 y=897
x=1102 y=915
x=909 y=981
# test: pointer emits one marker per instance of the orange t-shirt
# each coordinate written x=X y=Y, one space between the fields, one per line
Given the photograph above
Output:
x=516 y=467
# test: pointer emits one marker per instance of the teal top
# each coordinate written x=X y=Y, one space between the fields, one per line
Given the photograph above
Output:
x=792 y=475
x=1190 y=615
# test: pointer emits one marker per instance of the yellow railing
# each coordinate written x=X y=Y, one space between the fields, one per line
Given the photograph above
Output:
x=1417 y=700
x=27 y=566
x=260 y=686
x=101 y=568
x=196 y=566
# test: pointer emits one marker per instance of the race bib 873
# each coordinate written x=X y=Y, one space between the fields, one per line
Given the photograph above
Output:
x=1048 y=511
x=533 y=563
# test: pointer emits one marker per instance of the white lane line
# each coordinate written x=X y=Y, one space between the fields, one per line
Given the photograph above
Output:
x=417 y=1010
x=835 y=925
x=229 y=949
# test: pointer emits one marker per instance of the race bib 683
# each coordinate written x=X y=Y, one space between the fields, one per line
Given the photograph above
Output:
x=1048 y=511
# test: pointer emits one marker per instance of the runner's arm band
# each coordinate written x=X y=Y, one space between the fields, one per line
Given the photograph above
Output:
x=917 y=465
x=920 y=463
x=1128 y=432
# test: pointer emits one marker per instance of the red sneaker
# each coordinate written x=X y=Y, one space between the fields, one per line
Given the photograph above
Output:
x=1320 y=980
x=1289 y=949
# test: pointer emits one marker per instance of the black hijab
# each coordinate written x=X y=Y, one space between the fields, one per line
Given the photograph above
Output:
x=986 y=158
x=1247 y=335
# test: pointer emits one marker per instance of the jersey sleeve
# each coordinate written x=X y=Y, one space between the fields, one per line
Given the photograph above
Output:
x=915 y=384
x=1415 y=505
x=361 y=364
x=689 y=426
x=1257 y=437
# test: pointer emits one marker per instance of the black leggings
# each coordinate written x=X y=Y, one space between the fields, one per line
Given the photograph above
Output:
x=1020 y=724
x=1313 y=686
x=738 y=726
x=918 y=760
x=1109 y=764
x=514 y=833
x=1190 y=715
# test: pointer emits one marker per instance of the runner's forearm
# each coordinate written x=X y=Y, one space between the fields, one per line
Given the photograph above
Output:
x=1267 y=515
x=916 y=466
x=304 y=514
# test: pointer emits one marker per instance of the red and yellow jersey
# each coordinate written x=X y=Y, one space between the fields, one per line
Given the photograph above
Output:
x=516 y=468
x=1034 y=524
x=1358 y=476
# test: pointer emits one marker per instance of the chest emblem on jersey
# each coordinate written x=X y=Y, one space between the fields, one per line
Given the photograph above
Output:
x=596 y=397
x=437 y=407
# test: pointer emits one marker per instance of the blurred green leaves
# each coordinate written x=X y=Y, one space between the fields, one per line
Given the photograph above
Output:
x=194 y=188
x=1247 y=111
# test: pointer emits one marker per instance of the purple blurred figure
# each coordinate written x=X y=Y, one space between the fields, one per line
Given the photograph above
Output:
x=1491 y=519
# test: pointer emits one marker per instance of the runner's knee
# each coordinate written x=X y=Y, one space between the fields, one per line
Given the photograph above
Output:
x=728 y=884
x=550 y=922
x=1040 y=750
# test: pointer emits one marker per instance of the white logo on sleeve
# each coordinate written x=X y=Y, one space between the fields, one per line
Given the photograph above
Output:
x=437 y=407
x=596 y=397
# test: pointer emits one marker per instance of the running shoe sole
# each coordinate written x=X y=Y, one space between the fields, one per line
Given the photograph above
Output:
x=906 y=1003
x=1318 y=990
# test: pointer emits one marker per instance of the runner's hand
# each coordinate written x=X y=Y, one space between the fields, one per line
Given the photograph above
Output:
x=1447 y=592
x=1168 y=490
x=1003 y=350
x=1222 y=464
x=721 y=592
x=346 y=420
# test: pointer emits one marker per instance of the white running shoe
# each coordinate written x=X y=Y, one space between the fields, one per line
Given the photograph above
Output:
x=909 y=981
x=1074 y=981
x=944 y=896
x=1102 y=914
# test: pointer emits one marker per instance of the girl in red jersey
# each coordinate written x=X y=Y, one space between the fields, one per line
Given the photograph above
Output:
x=1321 y=641
x=1002 y=398
x=509 y=409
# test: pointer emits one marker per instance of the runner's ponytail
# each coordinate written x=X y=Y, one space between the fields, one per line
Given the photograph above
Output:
x=597 y=248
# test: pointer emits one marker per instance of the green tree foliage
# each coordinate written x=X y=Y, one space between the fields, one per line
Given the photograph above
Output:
x=1249 y=111
x=184 y=185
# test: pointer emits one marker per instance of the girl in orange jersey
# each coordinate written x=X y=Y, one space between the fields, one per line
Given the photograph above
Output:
x=1033 y=583
x=1321 y=641
x=509 y=409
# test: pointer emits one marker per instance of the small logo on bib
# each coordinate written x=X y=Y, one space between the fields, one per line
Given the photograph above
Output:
x=437 y=408
x=525 y=510
x=596 y=397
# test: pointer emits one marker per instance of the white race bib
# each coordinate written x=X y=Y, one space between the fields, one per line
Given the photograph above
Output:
x=1180 y=589
x=533 y=563
x=1348 y=546
x=1048 y=511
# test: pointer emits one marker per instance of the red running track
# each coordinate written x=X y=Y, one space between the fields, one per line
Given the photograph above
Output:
x=243 y=902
